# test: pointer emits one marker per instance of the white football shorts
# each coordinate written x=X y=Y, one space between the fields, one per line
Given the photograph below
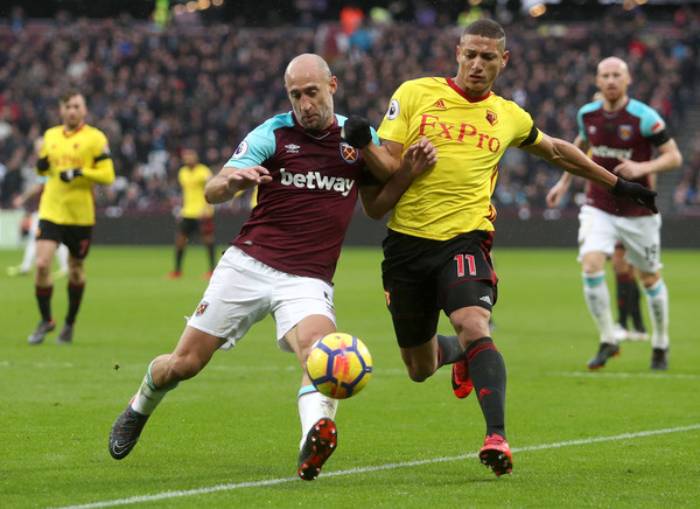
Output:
x=641 y=236
x=243 y=290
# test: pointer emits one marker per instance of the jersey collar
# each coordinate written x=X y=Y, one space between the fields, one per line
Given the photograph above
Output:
x=322 y=134
x=69 y=134
x=461 y=92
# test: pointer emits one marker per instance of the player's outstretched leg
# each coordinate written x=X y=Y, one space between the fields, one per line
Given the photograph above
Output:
x=125 y=432
x=319 y=432
x=128 y=426
x=319 y=445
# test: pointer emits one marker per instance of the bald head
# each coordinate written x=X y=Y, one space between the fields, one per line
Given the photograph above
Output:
x=614 y=64
x=307 y=65
x=612 y=79
x=310 y=88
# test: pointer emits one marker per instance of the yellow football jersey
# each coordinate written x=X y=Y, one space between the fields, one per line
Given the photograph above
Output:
x=192 y=181
x=470 y=136
x=72 y=203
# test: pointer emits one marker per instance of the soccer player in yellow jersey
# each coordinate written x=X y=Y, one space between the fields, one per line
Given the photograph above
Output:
x=436 y=254
x=196 y=215
x=74 y=157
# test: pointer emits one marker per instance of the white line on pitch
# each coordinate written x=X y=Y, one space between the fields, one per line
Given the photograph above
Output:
x=364 y=470
x=651 y=376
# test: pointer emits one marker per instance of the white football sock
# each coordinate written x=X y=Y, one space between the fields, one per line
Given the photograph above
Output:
x=595 y=292
x=657 y=303
x=313 y=406
x=148 y=395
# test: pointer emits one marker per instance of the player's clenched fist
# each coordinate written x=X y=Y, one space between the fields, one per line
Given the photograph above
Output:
x=642 y=195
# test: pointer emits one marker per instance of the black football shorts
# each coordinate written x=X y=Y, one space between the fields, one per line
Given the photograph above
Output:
x=77 y=238
x=422 y=277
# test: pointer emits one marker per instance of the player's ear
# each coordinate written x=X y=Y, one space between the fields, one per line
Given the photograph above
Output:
x=333 y=84
x=505 y=57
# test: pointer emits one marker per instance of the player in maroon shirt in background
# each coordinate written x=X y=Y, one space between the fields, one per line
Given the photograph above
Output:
x=621 y=134
x=283 y=260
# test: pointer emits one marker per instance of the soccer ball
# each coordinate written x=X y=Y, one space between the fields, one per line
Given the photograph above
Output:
x=339 y=365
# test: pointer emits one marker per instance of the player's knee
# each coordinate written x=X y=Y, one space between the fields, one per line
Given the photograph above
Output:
x=43 y=265
x=419 y=370
x=418 y=373
x=472 y=323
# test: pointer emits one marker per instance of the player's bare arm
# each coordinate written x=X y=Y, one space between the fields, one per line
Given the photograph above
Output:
x=419 y=158
x=383 y=160
x=559 y=190
x=669 y=158
x=569 y=157
x=229 y=181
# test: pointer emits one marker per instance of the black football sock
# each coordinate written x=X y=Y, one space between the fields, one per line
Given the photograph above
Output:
x=449 y=350
x=43 y=298
x=633 y=308
x=212 y=261
x=179 y=253
x=624 y=284
x=75 y=297
x=488 y=373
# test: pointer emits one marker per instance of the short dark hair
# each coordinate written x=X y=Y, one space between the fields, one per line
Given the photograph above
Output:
x=68 y=94
x=486 y=28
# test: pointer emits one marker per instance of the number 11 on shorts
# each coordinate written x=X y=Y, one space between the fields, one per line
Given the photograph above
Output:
x=460 y=258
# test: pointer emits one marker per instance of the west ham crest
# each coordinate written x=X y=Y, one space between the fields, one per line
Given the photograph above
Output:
x=348 y=153
x=624 y=131
x=201 y=308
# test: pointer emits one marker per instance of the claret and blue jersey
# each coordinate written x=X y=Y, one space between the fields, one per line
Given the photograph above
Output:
x=301 y=217
x=631 y=133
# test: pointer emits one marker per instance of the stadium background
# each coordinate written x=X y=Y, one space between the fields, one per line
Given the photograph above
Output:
x=161 y=76
x=623 y=438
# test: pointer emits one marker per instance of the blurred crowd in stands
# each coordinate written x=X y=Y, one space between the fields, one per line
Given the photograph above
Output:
x=155 y=91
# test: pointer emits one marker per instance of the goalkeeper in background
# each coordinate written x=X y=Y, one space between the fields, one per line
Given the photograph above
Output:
x=74 y=156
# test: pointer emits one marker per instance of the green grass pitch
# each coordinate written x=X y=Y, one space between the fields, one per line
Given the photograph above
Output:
x=236 y=423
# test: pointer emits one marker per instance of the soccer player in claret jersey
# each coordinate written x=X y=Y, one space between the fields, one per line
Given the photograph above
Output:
x=283 y=260
x=622 y=134
x=74 y=156
x=196 y=215
x=436 y=255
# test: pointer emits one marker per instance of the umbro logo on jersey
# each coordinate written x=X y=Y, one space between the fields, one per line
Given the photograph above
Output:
x=292 y=148
x=440 y=104
x=486 y=299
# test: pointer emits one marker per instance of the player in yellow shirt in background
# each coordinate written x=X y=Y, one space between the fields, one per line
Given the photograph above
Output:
x=196 y=215
x=437 y=251
x=74 y=157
